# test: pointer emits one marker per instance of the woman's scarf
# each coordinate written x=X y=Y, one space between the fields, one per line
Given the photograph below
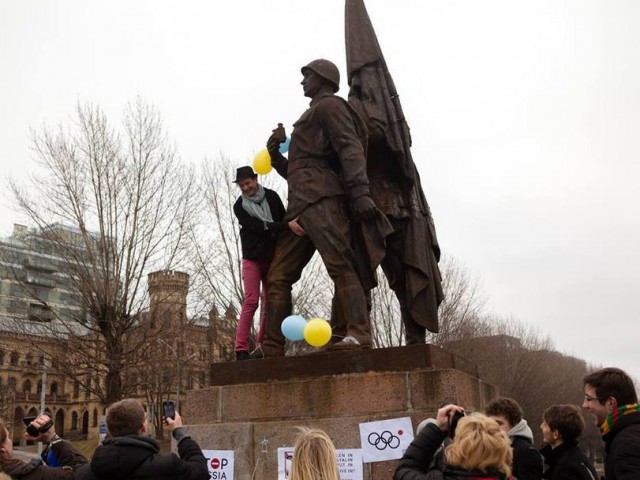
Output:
x=257 y=206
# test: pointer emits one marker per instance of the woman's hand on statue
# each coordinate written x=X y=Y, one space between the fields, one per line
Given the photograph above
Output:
x=296 y=228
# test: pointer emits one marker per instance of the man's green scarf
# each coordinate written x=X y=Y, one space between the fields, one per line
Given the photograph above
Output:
x=615 y=416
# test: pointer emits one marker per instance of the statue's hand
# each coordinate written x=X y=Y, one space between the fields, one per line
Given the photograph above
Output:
x=364 y=208
x=273 y=146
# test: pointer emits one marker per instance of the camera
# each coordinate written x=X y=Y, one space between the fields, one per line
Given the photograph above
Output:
x=169 y=409
x=34 y=431
x=453 y=422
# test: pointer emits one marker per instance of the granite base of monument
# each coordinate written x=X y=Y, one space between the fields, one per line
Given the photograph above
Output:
x=254 y=405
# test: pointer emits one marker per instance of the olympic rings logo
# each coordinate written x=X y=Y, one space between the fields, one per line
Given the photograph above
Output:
x=383 y=440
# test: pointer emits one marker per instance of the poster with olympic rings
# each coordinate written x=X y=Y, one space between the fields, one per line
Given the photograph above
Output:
x=385 y=439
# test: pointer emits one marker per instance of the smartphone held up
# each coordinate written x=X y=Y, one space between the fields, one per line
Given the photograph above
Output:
x=169 y=409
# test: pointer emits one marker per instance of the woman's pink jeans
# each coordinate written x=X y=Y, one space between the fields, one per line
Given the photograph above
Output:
x=254 y=272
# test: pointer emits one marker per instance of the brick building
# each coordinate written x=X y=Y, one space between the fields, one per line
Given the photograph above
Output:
x=33 y=297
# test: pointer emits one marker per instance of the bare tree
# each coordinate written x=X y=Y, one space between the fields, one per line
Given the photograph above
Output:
x=462 y=308
x=459 y=313
x=110 y=207
x=387 y=329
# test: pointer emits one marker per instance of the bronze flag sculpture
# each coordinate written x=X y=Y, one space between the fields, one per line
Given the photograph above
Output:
x=412 y=251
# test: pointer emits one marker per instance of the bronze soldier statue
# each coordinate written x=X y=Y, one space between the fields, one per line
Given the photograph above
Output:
x=328 y=191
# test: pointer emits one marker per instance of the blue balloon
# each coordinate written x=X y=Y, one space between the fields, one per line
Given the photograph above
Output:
x=284 y=146
x=293 y=327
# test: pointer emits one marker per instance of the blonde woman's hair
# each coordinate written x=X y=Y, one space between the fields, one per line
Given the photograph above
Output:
x=480 y=444
x=314 y=456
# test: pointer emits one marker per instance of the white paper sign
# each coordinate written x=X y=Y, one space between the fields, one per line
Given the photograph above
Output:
x=285 y=455
x=349 y=463
x=385 y=439
x=220 y=464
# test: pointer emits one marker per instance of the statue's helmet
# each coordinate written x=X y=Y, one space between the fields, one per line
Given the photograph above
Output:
x=326 y=70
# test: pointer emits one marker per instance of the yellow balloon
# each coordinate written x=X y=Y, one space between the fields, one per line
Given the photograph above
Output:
x=262 y=162
x=317 y=332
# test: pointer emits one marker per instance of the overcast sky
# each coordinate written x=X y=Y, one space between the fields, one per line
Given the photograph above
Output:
x=525 y=119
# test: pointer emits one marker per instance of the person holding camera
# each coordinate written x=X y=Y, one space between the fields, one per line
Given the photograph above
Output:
x=479 y=450
x=130 y=454
x=40 y=430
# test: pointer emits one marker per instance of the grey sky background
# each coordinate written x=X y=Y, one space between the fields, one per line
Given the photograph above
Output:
x=524 y=117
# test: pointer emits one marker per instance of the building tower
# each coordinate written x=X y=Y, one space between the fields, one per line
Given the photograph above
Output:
x=168 y=299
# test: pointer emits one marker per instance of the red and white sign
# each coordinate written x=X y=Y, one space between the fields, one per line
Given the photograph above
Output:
x=220 y=463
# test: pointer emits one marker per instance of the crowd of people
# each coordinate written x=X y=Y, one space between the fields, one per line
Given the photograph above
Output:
x=496 y=444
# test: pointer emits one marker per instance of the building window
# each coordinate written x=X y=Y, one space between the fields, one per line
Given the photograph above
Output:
x=39 y=391
x=26 y=386
x=1 y=357
x=87 y=389
x=95 y=417
x=76 y=389
x=54 y=388
x=15 y=358
x=40 y=313
x=13 y=383
x=74 y=421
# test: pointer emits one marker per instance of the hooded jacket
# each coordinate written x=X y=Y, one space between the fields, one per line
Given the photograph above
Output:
x=136 y=457
x=527 y=462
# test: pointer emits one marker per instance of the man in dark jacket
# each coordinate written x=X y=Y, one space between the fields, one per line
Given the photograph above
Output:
x=561 y=427
x=129 y=454
x=611 y=397
x=259 y=212
x=527 y=462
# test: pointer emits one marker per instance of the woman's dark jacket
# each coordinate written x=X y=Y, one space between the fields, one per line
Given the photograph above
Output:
x=135 y=457
x=67 y=455
x=567 y=462
x=415 y=463
x=257 y=242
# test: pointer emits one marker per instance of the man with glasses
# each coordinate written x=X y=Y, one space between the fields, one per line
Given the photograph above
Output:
x=611 y=397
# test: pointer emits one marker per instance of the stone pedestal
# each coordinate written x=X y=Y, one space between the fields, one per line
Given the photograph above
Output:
x=254 y=405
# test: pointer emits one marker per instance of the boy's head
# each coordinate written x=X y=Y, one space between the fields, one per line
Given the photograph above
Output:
x=506 y=411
